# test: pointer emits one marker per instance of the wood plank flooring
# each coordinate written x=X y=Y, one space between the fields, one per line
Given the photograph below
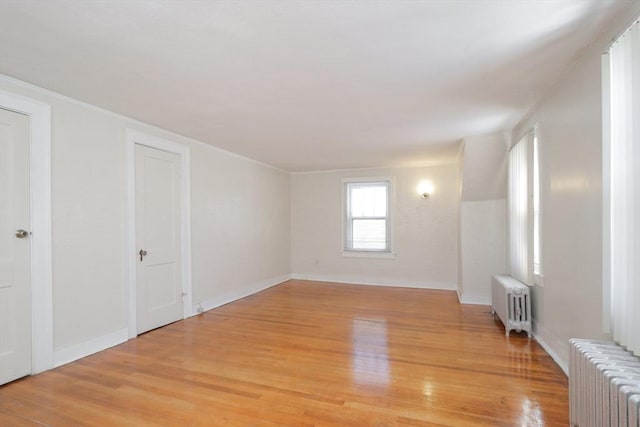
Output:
x=308 y=354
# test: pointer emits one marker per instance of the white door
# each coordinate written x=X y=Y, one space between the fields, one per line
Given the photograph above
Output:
x=158 y=238
x=15 y=287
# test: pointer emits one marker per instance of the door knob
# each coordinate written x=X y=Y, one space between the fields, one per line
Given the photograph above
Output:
x=142 y=254
x=22 y=234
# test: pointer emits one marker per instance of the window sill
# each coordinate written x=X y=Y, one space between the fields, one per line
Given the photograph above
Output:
x=367 y=254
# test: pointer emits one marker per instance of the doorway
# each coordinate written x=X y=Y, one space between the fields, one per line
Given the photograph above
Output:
x=25 y=237
x=15 y=250
x=159 y=232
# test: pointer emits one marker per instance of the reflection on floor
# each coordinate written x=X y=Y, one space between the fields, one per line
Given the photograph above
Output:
x=369 y=358
x=303 y=354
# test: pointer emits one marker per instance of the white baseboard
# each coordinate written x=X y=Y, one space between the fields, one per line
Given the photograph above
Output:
x=370 y=281
x=94 y=345
x=474 y=299
x=540 y=336
x=87 y=348
x=237 y=294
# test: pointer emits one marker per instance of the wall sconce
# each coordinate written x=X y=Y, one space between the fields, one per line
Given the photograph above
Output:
x=425 y=188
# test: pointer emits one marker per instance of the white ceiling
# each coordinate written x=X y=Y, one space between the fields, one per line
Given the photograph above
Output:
x=305 y=85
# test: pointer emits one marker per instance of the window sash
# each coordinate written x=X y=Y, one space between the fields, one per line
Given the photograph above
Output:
x=367 y=242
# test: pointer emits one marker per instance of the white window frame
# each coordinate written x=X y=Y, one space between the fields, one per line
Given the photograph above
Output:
x=523 y=264
x=537 y=263
x=347 y=219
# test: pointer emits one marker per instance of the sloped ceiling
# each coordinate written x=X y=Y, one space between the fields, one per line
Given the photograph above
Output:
x=305 y=85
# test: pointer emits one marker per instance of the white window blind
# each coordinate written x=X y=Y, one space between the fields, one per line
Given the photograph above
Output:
x=520 y=225
x=367 y=216
x=624 y=188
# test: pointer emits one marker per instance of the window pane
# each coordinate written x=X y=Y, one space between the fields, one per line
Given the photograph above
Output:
x=369 y=234
x=357 y=201
x=380 y=201
x=368 y=200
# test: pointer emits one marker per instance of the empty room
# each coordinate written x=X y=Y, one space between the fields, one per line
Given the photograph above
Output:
x=319 y=213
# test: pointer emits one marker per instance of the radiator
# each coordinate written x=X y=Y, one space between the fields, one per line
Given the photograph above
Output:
x=511 y=302
x=604 y=385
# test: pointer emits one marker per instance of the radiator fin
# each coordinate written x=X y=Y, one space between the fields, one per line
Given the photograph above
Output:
x=604 y=385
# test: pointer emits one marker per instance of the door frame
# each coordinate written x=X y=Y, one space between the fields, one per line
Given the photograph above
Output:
x=134 y=138
x=40 y=198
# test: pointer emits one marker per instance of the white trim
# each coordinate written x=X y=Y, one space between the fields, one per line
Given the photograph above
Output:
x=458 y=294
x=412 y=166
x=237 y=294
x=371 y=281
x=132 y=138
x=41 y=270
x=368 y=254
x=536 y=167
x=128 y=119
x=367 y=179
x=538 y=333
x=474 y=299
x=87 y=348
x=606 y=194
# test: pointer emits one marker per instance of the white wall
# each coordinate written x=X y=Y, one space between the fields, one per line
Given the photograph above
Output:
x=484 y=168
x=570 y=145
x=483 y=216
x=240 y=220
x=425 y=231
x=483 y=234
x=240 y=225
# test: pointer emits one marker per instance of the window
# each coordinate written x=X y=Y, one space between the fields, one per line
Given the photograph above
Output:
x=525 y=257
x=518 y=211
x=621 y=156
x=367 y=226
x=537 y=250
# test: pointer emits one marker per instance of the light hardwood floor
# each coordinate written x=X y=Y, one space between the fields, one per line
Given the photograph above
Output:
x=308 y=354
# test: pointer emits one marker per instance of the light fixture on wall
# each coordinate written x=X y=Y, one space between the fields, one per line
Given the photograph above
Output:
x=425 y=188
